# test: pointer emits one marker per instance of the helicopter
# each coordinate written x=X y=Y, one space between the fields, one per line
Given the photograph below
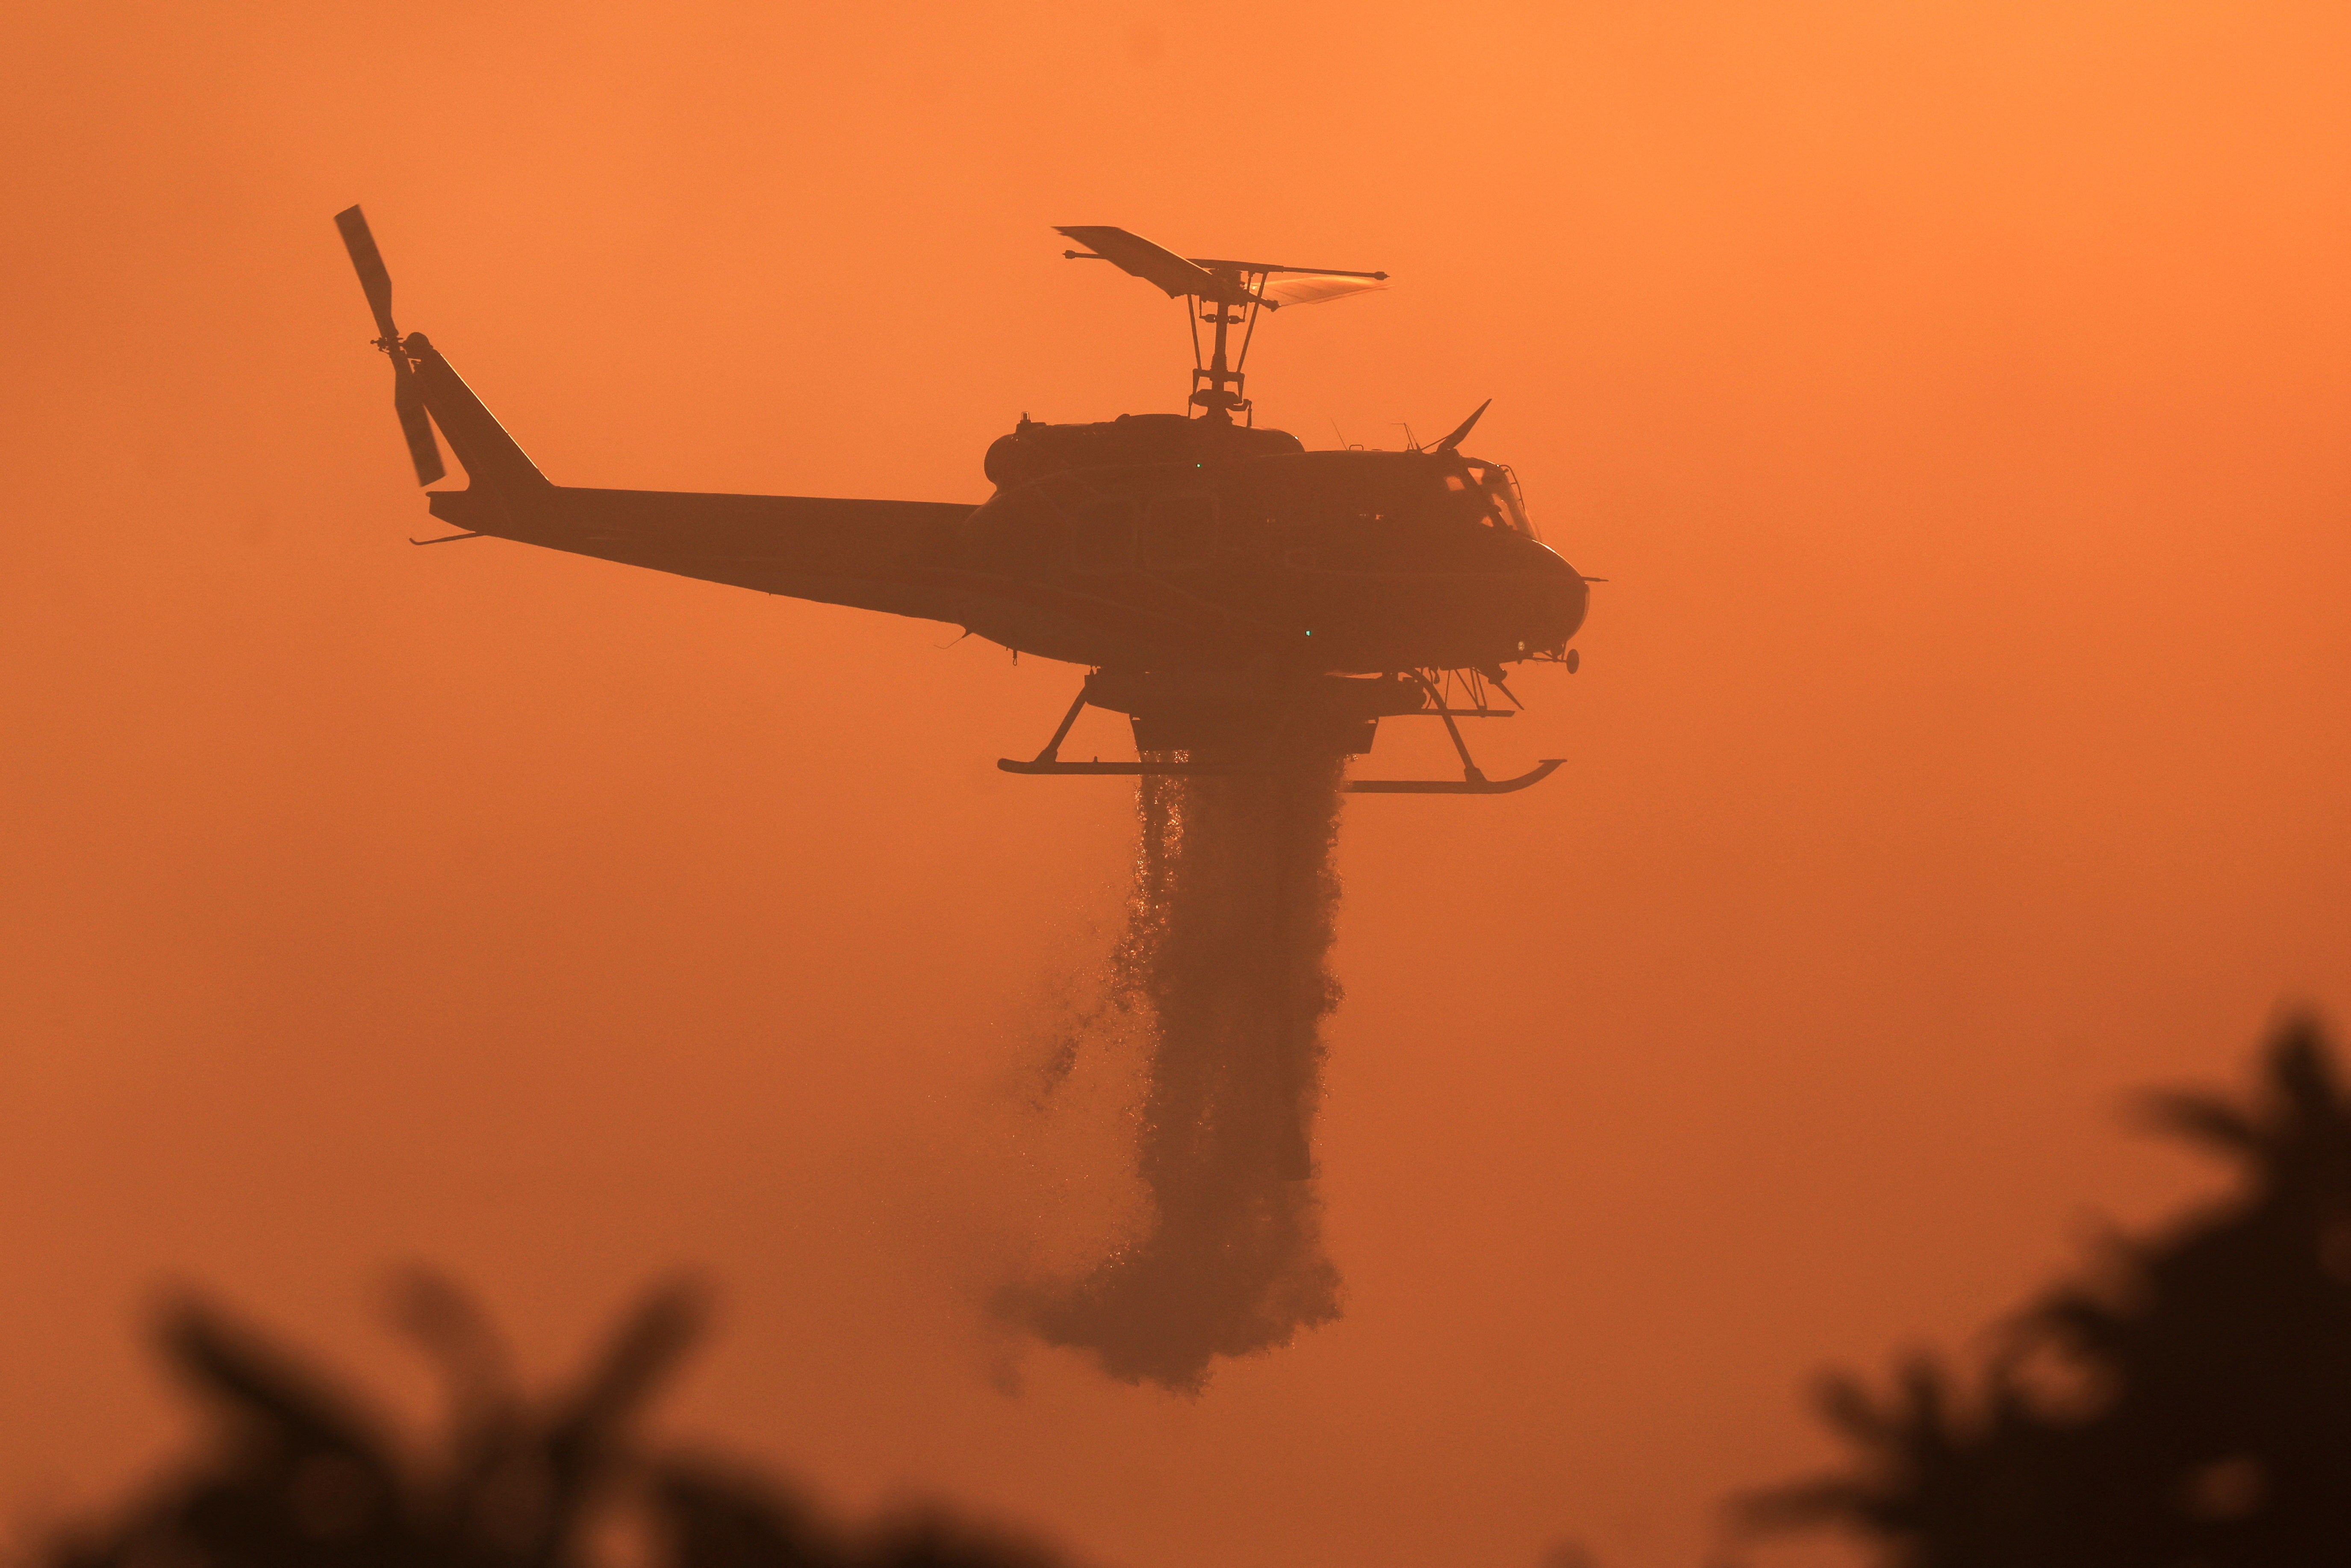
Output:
x=1250 y=606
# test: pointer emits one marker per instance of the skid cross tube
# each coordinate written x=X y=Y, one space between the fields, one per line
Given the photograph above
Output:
x=1472 y=781
x=1437 y=700
x=1054 y=746
x=1048 y=761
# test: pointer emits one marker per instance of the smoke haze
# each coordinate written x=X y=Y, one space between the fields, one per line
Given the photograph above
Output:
x=1224 y=963
x=1955 y=397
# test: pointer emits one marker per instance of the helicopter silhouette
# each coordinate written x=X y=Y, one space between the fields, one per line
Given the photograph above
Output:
x=1251 y=606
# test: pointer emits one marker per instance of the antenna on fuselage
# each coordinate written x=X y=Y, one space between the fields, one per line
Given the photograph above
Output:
x=1461 y=431
x=1226 y=294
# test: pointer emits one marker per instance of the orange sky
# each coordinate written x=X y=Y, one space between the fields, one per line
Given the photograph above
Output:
x=1955 y=396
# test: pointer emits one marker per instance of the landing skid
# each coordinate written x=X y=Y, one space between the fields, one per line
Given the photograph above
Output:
x=1048 y=762
x=1477 y=784
x=1126 y=769
x=1480 y=784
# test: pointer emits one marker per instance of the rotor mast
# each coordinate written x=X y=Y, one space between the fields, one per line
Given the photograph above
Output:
x=1224 y=294
x=1216 y=385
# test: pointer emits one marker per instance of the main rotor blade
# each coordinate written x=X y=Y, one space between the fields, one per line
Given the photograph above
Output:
x=1220 y=264
x=1461 y=431
x=1313 y=287
x=375 y=279
x=408 y=401
x=1155 y=263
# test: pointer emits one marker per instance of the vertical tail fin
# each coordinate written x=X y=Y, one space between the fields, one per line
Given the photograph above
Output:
x=493 y=459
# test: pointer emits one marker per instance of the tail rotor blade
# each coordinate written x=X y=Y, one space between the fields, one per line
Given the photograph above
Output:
x=408 y=401
x=375 y=279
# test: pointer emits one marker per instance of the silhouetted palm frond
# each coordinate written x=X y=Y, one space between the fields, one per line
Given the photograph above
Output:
x=2216 y=1355
x=308 y=1478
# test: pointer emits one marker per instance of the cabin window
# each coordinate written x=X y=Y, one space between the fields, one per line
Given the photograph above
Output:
x=1179 y=530
x=1102 y=534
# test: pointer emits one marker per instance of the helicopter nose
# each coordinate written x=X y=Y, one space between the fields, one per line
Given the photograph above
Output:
x=1558 y=600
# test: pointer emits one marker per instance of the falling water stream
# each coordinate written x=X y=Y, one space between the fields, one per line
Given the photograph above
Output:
x=1225 y=960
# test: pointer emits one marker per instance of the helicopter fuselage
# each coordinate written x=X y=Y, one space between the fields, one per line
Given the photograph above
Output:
x=1229 y=550
x=1249 y=604
x=1358 y=562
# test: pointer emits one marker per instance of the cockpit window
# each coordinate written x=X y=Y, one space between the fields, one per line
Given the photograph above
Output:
x=1496 y=490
